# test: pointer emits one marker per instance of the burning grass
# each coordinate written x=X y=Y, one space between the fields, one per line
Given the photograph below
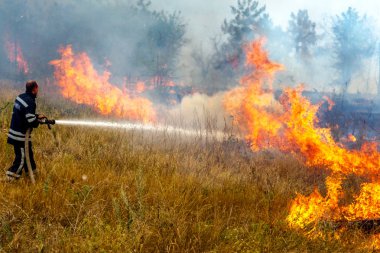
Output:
x=103 y=190
x=290 y=124
x=80 y=82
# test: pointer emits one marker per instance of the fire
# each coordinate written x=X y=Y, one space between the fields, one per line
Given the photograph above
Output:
x=290 y=124
x=351 y=138
x=367 y=203
x=170 y=84
x=252 y=106
x=330 y=102
x=81 y=83
x=15 y=54
x=140 y=87
x=307 y=210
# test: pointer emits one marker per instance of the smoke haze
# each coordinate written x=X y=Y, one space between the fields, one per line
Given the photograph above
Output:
x=170 y=41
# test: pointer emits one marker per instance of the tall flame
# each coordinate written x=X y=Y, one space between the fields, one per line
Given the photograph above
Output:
x=254 y=107
x=15 y=55
x=81 y=83
x=290 y=124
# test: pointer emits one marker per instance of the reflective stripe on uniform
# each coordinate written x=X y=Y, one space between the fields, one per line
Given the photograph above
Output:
x=16 y=138
x=16 y=133
x=22 y=101
x=32 y=119
x=22 y=161
x=29 y=115
x=11 y=174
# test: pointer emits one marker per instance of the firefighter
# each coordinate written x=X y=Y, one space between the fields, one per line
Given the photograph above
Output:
x=23 y=117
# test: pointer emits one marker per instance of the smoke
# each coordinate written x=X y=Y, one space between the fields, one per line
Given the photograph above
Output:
x=200 y=110
x=172 y=40
x=319 y=11
x=318 y=73
x=204 y=20
x=137 y=40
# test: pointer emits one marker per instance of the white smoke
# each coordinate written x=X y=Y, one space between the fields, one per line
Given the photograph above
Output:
x=200 y=110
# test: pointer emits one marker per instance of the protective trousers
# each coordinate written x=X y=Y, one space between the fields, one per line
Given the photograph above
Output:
x=20 y=161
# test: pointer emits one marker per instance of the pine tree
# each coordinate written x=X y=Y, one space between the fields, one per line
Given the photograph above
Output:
x=354 y=41
x=302 y=32
x=246 y=24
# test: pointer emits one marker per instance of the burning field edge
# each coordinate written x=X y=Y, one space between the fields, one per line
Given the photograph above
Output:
x=277 y=179
x=107 y=190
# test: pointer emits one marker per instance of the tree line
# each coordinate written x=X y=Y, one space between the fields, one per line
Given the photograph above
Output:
x=144 y=43
x=349 y=40
x=137 y=41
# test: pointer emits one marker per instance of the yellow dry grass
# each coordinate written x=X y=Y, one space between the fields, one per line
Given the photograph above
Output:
x=116 y=191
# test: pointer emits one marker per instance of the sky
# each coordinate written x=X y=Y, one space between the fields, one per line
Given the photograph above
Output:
x=204 y=17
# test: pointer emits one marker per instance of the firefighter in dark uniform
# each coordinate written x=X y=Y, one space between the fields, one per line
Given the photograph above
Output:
x=23 y=117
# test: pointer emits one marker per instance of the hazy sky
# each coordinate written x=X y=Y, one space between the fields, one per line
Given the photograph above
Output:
x=204 y=17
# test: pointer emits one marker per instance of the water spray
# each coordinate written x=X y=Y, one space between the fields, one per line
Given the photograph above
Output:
x=218 y=135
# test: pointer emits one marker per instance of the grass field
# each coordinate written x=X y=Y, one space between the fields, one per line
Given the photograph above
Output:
x=116 y=191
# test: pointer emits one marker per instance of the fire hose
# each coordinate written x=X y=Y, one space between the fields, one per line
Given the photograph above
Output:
x=44 y=121
x=217 y=135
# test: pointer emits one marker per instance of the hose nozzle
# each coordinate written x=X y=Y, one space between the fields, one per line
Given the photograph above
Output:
x=48 y=122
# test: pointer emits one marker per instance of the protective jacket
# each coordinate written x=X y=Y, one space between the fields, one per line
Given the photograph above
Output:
x=23 y=117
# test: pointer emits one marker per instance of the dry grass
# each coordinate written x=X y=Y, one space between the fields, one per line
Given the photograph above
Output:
x=115 y=191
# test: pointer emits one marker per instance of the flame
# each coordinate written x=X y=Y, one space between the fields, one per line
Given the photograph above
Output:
x=307 y=210
x=140 y=87
x=169 y=84
x=374 y=244
x=290 y=124
x=330 y=102
x=367 y=203
x=81 y=83
x=15 y=54
x=351 y=138
x=252 y=106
